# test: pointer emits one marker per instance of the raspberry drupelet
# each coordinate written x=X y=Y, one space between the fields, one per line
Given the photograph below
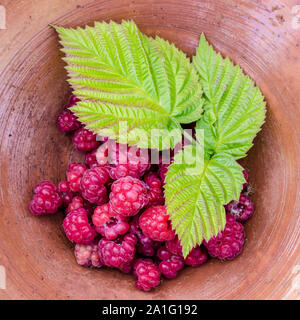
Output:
x=155 y=224
x=87 y=255
x=229 y=242
x=85 y=140
x=67 y=194
x=128 y=196
x=67 y=121
x=147 y=273
x=46 y=199
x=92 y=185
x=108 y=224
x=118 y=253
x=77 y=227
x=74 y=174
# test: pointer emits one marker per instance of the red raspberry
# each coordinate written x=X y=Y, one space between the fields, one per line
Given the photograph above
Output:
x=123 y=160
x=85 y=140
x=73 y=100
x=67 y=121
x=108 y=225
x=229 y=242
x=46 y=199
x=147 y=273
x=146 y=246
x=118 y=253
x=77 y=203
x=77 y=227
x=92 y=185
x=196 y=257
x=87 y=255
x=170 y=267
x=67 y=194
x=74 y=174
x=155 y=193
x=174 y=246
x=242 y=210
x=155 y=224
x=90 y=159
x=128 y=196
x=163 y=253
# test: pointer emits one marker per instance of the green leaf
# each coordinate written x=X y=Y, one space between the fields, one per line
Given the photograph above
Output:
x=195 y=201
x=122 y=75
x=234 y=106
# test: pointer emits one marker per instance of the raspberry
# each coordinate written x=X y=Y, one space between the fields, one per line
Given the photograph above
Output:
x=128 y=196
x=174 y=246
x=87 y=255
x=67 y=194
x=85 y=140
x=163 y=253
x=77 y=227
x=146 y=246
x=147 y=273
x=92 y=185
x=91 y=159
x=67 y=121
x=155 y=193
x=155 y=224
x=73 y=100
x=74 y=174
x=107 y=225
x=46 y=199
x=170 y=267
x=229 y=242
x=118 y=253
x=196 y=257
x=123 y=160
x=242 y=210
x=77 y=203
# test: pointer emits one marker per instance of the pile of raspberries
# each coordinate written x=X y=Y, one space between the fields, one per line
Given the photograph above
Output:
x=115 y=213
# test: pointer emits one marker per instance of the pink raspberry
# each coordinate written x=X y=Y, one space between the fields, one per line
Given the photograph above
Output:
x=155 y=224
x=155 y=193
x=46 y=199
x=229 y=242
x=242 y=210
x=72 y=101
x=91 y=159
x=78 y=202
x=108 y=225
x=123 y=160
x=92 y=185
x=147 y=273
x=163 y=253
x=170 y=267
x=67 y=194
x=67 y=121
x=77 y=227
x=174 y=246
x=146 y=246
x=196 y=257
x=118 y=253
x=74 y=174
x=87 y=255
x=128 y=196
x=85 y=140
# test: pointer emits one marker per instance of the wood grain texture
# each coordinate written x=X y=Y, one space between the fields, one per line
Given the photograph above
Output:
x=37 y=257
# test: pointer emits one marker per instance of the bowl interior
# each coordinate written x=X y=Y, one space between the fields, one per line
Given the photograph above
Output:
x=38 y=258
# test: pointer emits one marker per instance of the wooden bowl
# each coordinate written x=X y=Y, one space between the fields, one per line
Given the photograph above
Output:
x=262 y=36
